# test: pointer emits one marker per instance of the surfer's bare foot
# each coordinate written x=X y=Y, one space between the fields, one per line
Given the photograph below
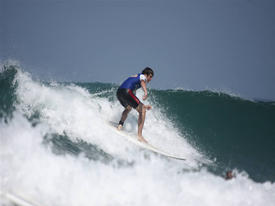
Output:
x=141 y=139
x=119 y=127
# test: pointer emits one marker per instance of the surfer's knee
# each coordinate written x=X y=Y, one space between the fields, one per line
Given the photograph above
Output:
x=139 y=107
x=128 y=108
x=143 y=110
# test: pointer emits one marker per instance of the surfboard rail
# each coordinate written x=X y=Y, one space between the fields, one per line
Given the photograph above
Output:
x=144 y=145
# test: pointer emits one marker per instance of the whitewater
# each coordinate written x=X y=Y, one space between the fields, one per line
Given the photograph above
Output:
x=56 y=149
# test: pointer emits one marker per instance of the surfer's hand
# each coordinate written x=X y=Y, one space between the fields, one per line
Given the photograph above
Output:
x=148 y=107
x=145 y=96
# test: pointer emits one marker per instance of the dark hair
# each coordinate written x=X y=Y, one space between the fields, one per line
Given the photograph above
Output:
x=148 y=71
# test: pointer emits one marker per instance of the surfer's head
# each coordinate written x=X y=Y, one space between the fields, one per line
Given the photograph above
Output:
x=149 y=73
x=229 y=175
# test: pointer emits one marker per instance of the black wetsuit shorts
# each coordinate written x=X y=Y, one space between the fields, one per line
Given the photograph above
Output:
x=127 y=98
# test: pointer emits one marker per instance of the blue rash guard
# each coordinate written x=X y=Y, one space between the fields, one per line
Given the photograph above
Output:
x=132 y=83
x=125 y=92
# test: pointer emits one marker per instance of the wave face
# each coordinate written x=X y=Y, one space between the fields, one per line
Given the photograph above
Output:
x=58 y=149
x=237 y=132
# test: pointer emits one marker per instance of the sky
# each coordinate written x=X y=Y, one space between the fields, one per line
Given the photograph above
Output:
x=222 y=45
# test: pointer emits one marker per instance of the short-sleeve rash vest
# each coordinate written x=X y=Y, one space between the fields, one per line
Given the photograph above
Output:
x=133 y=83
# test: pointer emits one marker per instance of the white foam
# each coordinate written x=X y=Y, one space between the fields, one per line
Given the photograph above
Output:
x=30 y=169
x=81 y=115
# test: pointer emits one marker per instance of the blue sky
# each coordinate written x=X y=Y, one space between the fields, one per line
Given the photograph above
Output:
x=224 y=45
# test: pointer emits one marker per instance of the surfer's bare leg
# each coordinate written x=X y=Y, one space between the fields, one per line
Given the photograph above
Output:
x=141 y=119
x=124 y=117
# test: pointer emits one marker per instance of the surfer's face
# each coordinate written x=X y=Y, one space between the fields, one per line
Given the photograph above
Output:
x=149 y=77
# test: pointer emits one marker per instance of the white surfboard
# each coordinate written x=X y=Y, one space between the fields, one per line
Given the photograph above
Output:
x=17 y=199
x=148 y=146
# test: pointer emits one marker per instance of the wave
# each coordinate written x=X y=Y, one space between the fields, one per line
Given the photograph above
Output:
x=236 y=131
x=56 y=148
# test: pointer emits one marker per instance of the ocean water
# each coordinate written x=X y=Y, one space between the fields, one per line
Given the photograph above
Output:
x=58 y=149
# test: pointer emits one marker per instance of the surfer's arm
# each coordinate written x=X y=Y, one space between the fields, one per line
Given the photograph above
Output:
x=143 y=85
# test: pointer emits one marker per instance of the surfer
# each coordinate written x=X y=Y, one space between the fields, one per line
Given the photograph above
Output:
x=127 y=98
x=229 y=175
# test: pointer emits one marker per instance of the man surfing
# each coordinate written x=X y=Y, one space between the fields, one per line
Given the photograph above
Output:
x=127 y=98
